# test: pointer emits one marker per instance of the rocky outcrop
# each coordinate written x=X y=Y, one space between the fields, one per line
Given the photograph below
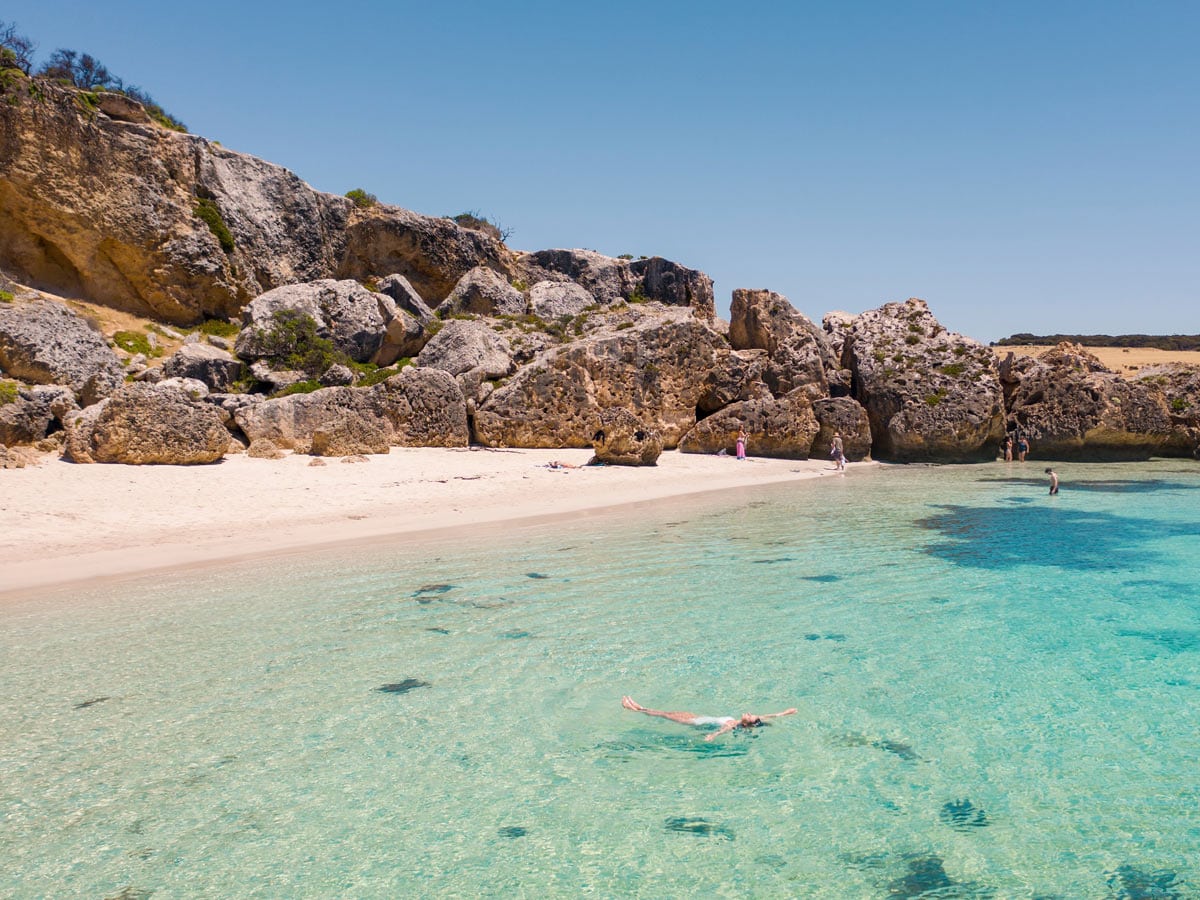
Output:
x=133 y=216
x=845 y=417
x=1180 y=387
x=465 y=344
x=655 y=367
x=214 y=367
x=621 y=439
x=782 y=428
x=1070 y=406
x=416 y=408
x=798 y=350
x=930 y=395
x=610 y=280
x=552 y=300
x=483 y=292
x=145 y=424
x=262 y=448
x=44 y=342
x=400 y=290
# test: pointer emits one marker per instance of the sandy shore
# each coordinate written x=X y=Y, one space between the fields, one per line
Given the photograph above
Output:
x=61 y=522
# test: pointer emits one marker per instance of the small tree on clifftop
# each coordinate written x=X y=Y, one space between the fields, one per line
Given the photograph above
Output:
x=16 y=50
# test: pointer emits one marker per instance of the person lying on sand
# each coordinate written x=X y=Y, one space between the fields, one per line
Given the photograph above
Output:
x=559 y=464
x=727 y=723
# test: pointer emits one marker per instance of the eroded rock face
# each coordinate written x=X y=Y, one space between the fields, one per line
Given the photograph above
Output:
x=736 y=375
x=1071 y=407
x=798 y=350
x=610 y=280
x=407 y=299
x=930 y=395
x=782 y=428
x=213 y=366
x=483 y=292
x=846 y=417
x=30 y=417
x=146 y=424
x=108 y=210
x=1180 y=387
x=621 y=439
x=655 y=368
x=44 y=342
x=349 y=437
x=416 y=408
x=465 y=344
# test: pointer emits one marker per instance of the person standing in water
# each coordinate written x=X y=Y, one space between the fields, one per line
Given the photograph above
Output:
x=837 y=451
x=726 y=723
x=1053 y=481
x=741 y=443
x=1022 y=447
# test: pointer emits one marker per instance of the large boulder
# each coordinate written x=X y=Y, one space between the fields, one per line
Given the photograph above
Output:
x=1070 y=406
x=782 y=428
x=654 y=367
x=33 y=413
x=407 y=299
x=610 y=280
x=551 y=300
x=354 y=319
x=845 y=417
x=799 y=352
x=350 y=436
x=130 y=215
x=930 y=394
x=213 y=366
x=147 y=424
x=621 y=439
x=465 y=344
x=416 y=408
x=44 y=342
x=483 y=292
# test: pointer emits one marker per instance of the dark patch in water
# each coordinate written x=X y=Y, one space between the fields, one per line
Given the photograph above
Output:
x=514 y=635
x=836 y=637
x=1177 y=640
x=1019 y=500
x=812 y=637
x=697 y=827
x=778 y=559
x=513 y=831
x=691 y=744
x=926 y=877
x=1128 y=883
x=1051 y=535
x=403 y=687
x=963 y=815
x=1102 y=485
x=821 y=579
x=427 y=590
x=439 y=630
x=896 y=748
x=535 y=575
x=771 y=860
x=130 y=893
x=86 y=703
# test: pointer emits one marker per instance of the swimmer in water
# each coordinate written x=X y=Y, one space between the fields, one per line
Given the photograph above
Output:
x=726 y=723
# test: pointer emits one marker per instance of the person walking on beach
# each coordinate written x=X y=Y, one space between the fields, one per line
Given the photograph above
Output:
x=1053 y=481
x=726 y=723
x=1022 y=447
x=741 y=443
x=837 y=452
x=1008 y=449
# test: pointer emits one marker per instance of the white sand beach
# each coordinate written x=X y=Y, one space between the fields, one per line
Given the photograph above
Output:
x=61 y=522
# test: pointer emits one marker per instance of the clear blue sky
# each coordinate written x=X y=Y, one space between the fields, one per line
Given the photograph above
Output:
x=1023 y=166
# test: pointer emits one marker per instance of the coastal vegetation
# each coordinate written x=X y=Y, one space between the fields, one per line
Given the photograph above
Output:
x=475 y=221
x=362 y=199
x=1152 y=341
x=207 y=210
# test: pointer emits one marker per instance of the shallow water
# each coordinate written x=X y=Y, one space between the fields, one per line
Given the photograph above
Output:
x=997 y=695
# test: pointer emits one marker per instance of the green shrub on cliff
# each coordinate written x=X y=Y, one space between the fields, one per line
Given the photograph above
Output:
x=207 y=210
x=362 y=199
x=476 y=222
x=8 y=392
x=136 y=342
x=6 y=297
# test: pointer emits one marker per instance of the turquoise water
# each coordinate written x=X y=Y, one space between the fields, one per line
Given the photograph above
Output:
x=997 y=695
